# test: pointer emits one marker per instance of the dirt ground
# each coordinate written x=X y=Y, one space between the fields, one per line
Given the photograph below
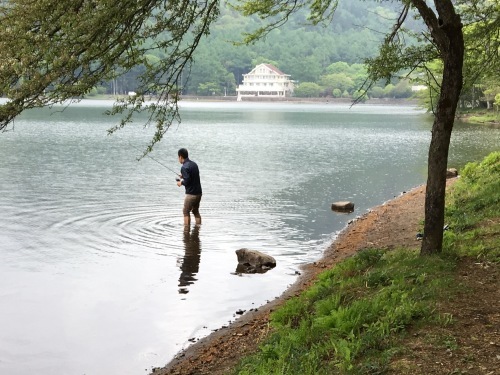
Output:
x=472 y=346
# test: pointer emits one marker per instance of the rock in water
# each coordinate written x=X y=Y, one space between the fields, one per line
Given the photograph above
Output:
x=451 y=172
x=253 y=261
x=343 y=206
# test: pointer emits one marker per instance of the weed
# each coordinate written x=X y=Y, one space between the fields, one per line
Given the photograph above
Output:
x=450 y=342
x=444 y=319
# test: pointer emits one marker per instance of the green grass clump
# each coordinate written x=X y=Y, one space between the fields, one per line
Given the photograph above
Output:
x=481 y=115
x=353 y=318
x=472 y=211
x=485 y=118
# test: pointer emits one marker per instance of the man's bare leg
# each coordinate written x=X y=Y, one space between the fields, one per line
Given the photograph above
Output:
x=197 y=218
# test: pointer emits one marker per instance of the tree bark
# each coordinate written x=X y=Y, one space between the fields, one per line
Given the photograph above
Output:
x=449 y=39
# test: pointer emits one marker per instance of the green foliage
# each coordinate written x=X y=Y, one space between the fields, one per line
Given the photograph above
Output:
x=474 y=201
x=337 y=81
x=481 y=64
x=337 y=67
x=402 y=89
x=431 y=77
x=208 y=75
x=93 y=92
x=377 y=92
x=209 y=88
x=296 y=48
x=307 y=90
x=482 y=116
x=482 y=42
x=262 y=60
x=99 y=90
x=344 y=80
x=53 y=50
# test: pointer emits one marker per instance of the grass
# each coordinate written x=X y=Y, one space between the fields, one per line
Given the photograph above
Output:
x=482 y=116
x=354 y=318
x=485 y=118
x=473 y=210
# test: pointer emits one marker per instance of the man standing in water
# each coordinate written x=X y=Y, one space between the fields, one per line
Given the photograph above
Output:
x=190 y=178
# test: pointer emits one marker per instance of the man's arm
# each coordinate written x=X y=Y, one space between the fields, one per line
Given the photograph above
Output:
x=186 y=179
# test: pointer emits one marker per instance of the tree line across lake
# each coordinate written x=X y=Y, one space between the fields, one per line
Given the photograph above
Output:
x=322 y=61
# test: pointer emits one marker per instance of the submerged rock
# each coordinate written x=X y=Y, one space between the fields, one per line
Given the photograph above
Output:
x=253 y=261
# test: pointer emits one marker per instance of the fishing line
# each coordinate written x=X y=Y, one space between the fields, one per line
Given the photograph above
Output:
x=163 y=165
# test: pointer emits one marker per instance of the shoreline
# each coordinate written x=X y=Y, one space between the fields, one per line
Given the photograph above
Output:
x=294 y=100
x=291 y=100
x=297 y=100
x=390 y=225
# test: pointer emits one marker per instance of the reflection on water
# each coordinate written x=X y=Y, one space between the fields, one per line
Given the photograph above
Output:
x=190 y=263
x=244 y=268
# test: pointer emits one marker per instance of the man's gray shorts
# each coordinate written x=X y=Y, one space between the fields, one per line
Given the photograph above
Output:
x=191 y=203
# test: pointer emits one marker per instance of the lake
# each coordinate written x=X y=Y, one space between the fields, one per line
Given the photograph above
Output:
x=98 y=275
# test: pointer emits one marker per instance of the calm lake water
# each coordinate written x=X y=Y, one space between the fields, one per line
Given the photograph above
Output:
x=98 y=276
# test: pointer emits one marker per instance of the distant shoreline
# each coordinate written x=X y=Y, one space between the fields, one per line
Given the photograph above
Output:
x=382 y=101
x=261 y=99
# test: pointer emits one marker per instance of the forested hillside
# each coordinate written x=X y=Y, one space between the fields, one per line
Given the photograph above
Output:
x=305 y=52
x=324 y=60
x=302 y=51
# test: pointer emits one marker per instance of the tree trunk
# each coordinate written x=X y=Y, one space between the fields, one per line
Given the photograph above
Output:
x=453 y=54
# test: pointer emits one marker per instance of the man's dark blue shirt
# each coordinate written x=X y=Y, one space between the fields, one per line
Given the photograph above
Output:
x=191 y=177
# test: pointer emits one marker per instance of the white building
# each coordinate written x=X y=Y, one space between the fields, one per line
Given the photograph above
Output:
x=418 y=88
x=265 y=80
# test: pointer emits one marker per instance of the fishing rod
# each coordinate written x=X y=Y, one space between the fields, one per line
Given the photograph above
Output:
x=163 y=165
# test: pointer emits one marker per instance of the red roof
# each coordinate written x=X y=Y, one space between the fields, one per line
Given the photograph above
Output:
x=272 y=67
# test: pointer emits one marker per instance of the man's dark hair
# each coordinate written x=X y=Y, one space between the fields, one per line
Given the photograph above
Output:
x=183 y=152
